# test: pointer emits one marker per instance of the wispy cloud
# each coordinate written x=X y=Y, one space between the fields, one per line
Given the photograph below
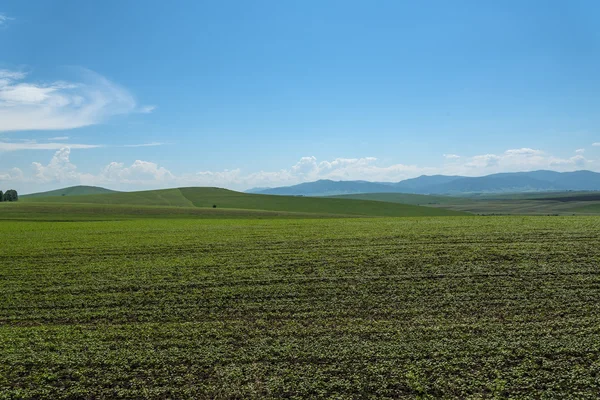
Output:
x=147 y=109
x=451 y=156
x=580 y=151
x=55 y=144
x=6 y=146
x=4 y=19
x=60 y=104
x=152 y=144
x=596 y=144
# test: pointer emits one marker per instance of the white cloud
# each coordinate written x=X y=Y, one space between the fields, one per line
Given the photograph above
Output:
x=482 y=161
x=59 y=138
x=59 y=169
x=4 y=19
x=596 y=144
x=580 y=151
x=140 y=172
x=14 y=174
x=578 y=161
x=151 y=144
x=513 y=160
x=60 y=105
x=147 y=109
x=6 y=146
x=523 y=151
x=6 y=75
x=145 y=174
x=28 y=144
x=451 y=156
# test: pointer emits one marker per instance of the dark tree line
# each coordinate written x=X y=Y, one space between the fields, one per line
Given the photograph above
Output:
x=10 y=195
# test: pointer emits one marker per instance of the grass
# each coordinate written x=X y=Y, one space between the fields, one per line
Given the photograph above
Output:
x=109 y=212
x=70 y=191
x=588 y=208
x=227 y=199
x=454 y=307
x=407 y=198
x=559 y=203
x=166 y=197
x=532 y=195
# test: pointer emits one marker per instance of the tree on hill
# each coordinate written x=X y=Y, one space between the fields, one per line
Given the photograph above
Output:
x=10 y=195
x=1 y=196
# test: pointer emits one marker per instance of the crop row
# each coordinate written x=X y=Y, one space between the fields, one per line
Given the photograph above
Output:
x=333 y=308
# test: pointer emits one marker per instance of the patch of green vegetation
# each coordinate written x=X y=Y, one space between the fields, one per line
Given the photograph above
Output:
x=407 y=198
x=110 y=212
x=222 y=198
x=165 y=197
x=556 y=203
x=522 y=207
x=70 y=191
x=588 y=208
x=528 y=195
x=458 y=307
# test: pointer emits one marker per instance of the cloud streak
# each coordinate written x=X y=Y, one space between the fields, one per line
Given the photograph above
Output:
x=151 y=144
x=451 y=156
x=4 y=19
x=34 y=145
x=61 y=105
x=6 y=147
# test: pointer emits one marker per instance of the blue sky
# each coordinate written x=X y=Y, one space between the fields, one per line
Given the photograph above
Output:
x=133 y=95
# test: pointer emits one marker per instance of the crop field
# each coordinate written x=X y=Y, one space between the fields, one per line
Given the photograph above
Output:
x=430 y=307
x=557 y=203
x=23 y=211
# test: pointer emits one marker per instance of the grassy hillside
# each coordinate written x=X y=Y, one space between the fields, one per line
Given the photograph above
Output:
x=553 y=195
x=563 y=203
x=593 y=208
x=166 y=197
x=222 y=198
x=70 y=191
x=50 y=211
x=406 y=198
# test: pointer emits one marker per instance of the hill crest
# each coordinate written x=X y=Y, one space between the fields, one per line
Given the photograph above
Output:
x=78 y=190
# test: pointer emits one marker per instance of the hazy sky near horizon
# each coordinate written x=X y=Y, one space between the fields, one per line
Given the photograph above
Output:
x=239 y=94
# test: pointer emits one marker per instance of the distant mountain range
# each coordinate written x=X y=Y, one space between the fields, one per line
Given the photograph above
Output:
x=534 y=181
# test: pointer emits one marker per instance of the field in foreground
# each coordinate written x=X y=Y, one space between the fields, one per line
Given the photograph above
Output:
x=345 y=308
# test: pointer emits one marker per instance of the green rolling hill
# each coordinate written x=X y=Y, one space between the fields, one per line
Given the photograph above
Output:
x=406 y=198
x=70 y=191
x=227 y=199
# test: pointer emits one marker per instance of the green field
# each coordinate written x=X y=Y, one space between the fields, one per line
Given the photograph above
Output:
x=101 y=212
x=431 y=307
x=407 y=198
x=70 y=191
x=551 y=203
x=206 y=198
